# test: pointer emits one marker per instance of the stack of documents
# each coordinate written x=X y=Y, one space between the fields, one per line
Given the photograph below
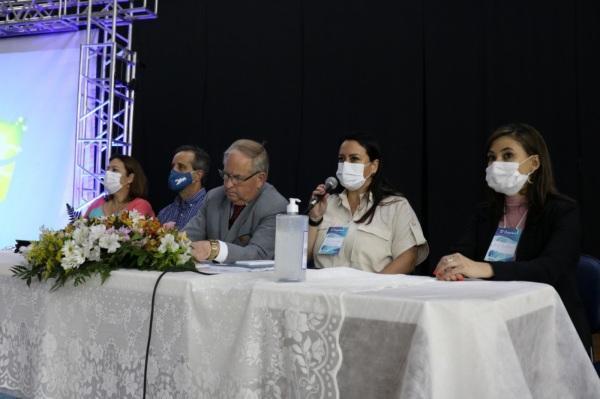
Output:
x=239 y=266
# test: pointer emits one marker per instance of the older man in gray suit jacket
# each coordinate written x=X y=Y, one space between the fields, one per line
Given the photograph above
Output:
x=237 y=220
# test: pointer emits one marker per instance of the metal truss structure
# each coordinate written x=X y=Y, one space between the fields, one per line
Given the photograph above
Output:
x=106 y=91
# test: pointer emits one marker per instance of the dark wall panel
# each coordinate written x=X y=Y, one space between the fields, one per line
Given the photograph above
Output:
x=454 y=114
x=363 y=71
x=588 y=120
x=431 y=79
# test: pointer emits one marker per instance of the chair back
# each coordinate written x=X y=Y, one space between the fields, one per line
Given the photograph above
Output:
x=588 y=281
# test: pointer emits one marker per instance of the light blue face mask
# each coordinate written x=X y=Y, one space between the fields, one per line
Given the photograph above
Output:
x=179 y=180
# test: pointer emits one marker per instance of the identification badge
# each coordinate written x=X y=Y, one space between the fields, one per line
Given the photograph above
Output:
x=504 y=245
x=332 y=244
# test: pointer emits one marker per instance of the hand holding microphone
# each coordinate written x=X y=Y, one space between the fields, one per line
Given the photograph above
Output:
x=318 y=201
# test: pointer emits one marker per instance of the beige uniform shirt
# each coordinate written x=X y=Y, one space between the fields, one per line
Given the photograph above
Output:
x=370 y=247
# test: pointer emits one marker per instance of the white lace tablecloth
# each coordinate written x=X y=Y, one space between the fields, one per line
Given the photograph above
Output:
x=341 y=334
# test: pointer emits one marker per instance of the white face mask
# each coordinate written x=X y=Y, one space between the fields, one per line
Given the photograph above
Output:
x=112 y=181
x=505 y=178
x=351 y=175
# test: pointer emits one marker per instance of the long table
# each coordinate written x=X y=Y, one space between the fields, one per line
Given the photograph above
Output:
x=342 y=333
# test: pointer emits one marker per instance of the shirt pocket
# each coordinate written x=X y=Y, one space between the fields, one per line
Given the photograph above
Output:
x=243 y=238
x=372 y=249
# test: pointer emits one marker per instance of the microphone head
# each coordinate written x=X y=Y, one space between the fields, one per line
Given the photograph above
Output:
x=331 y=183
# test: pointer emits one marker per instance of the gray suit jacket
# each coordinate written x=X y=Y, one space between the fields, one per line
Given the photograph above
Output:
x=252 y=235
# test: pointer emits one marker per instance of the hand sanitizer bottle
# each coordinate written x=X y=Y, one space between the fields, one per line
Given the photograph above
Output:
x=291 y=238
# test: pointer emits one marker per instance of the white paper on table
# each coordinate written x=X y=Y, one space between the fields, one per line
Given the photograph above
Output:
x=213 y=268
x=255 y=263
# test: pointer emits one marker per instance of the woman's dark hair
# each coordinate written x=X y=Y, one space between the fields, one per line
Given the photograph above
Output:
x=379 y=187
x=138 y=188
x=541 y=182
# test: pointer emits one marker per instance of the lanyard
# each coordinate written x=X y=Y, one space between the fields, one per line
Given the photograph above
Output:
x=520 y=220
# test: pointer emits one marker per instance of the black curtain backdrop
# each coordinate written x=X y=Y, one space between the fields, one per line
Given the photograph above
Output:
x=431 y=79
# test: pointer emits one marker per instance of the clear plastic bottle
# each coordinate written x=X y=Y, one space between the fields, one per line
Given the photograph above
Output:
x=291 y=239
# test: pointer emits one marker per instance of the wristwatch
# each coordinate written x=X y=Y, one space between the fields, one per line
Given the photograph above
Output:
x=214 y=249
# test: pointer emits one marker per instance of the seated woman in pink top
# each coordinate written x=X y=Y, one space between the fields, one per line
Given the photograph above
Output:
x=125 y=183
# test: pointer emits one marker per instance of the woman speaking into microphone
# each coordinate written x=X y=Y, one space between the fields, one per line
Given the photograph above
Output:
x=369 y=225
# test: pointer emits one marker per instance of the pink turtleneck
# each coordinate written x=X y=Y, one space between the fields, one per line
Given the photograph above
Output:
x=515 y=211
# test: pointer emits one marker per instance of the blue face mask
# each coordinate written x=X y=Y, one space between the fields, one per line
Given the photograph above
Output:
x=178 y=180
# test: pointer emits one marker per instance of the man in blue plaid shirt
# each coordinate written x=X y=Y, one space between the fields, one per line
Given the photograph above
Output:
x=189 y=170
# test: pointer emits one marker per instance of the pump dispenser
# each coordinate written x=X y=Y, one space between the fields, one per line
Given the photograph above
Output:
x=292 y=207
x=291 y=239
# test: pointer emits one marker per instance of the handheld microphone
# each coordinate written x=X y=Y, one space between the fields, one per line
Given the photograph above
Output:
x=331 y=184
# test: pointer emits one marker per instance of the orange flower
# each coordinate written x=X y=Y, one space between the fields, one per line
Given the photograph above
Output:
x=152 y=244
x=125 y=219
x=151 y=226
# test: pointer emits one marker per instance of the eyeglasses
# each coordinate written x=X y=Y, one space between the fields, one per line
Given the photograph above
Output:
x=235 y=179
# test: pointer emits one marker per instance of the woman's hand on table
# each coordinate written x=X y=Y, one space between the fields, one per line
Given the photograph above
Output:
x=456 y=267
